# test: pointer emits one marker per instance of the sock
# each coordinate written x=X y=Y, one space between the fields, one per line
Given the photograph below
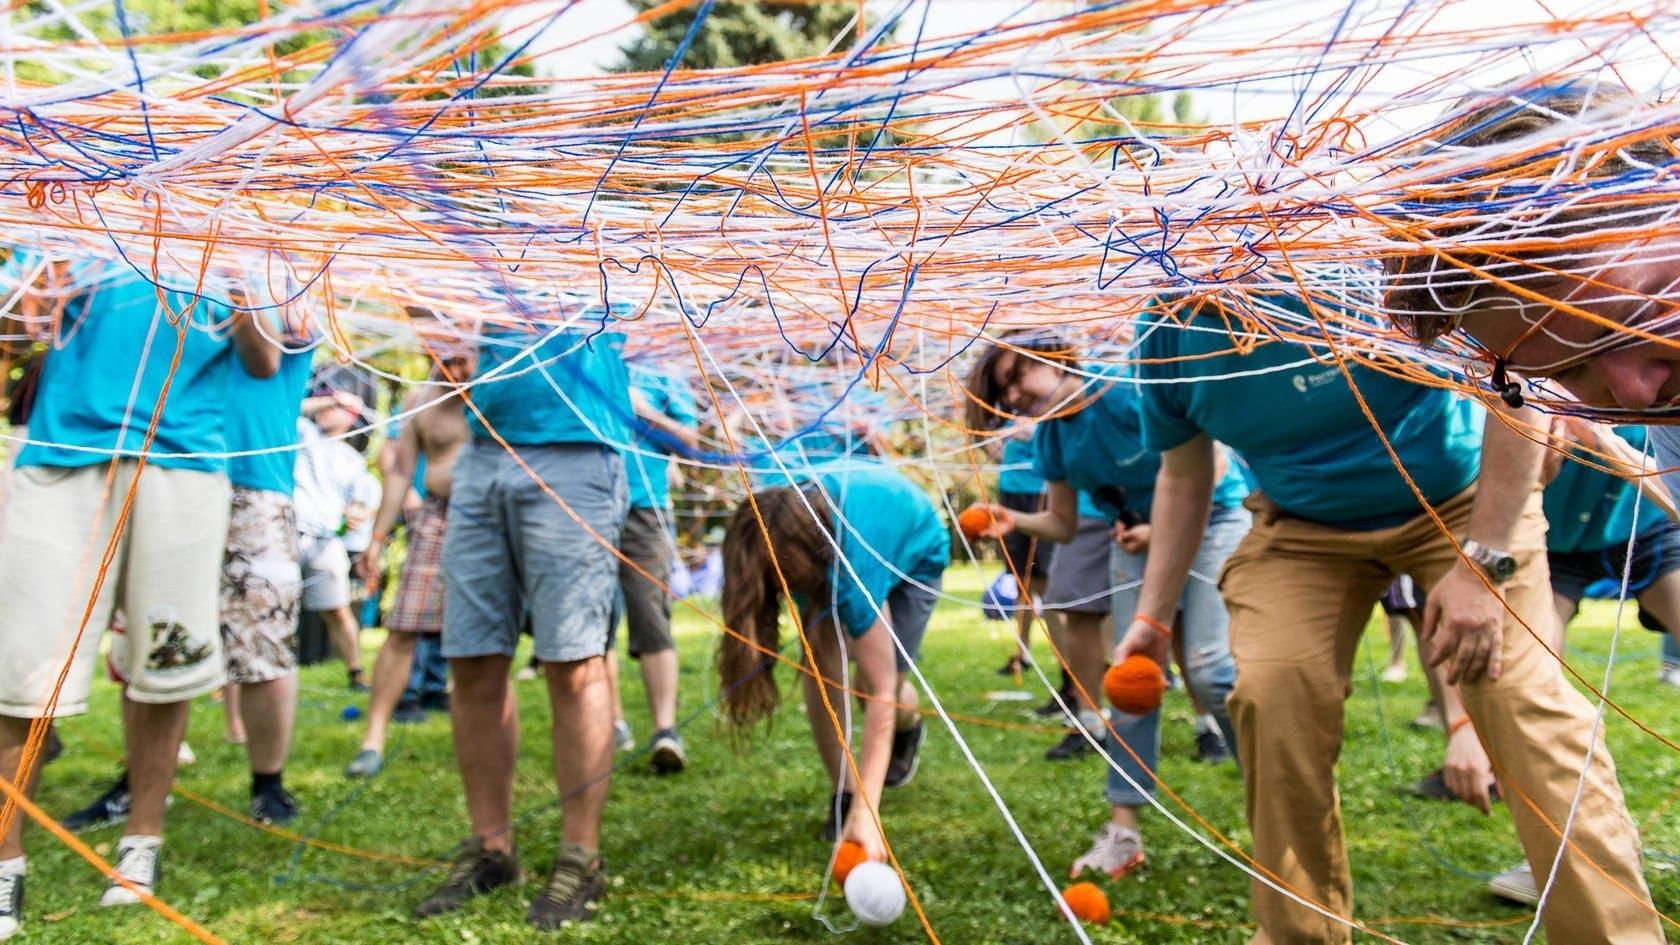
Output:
x=1067 y=683
x=1206 y=723
x=261 y=783
x=355 y=675
x=16 y=866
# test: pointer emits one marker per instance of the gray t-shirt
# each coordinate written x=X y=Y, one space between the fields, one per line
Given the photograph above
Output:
x=1665 y=443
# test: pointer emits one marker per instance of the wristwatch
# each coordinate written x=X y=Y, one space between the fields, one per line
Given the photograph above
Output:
x=1498 y=565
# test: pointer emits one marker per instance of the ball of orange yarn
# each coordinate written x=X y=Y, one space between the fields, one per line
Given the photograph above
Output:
x=849 y=855
x=1135 y=685
x=975 y=521
x=1088 y=902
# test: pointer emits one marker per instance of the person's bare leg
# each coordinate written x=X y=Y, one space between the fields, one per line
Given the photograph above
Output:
x=345 y=633
x=827 y=739
x=611 y=661
x=1662 y=599
x=153 y=734
x=581 y=699
x=14 y=733
x=234 y=715
x=1565 y=609
x=391 y=669
x=484 y=720
x=1085 y=655
x=270 y=713
x=1398 y=630
x=659 y=675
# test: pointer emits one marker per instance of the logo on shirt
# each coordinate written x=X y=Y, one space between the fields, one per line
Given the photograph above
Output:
x=1306 y=382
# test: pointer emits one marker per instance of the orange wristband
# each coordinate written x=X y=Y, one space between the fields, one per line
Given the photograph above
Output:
x=1454 y=727
x=1154 y=625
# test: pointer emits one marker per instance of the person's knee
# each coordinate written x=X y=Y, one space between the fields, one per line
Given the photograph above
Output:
x=1210 y=675
x=1283 y=689
x=577 y=675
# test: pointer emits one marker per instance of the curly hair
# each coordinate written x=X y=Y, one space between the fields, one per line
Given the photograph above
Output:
x=1419 y=300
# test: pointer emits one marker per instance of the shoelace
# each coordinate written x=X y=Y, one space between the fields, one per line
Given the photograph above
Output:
x=466 y=866
x=563 y=884
x=138 y=864
x=9 y=886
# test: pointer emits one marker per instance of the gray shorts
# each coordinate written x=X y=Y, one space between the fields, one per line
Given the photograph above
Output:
x=510 y=549
x=1079 y=578
x=326 y=572
x=647 y=605
x=909 y=608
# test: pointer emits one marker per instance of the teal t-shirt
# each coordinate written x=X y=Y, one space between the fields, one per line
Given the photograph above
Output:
x=1102 y=447
x=888 y=530
x=648 y=464
x=106 y=370
x=571 y=387
x=1296 y=423
x=261 y=415
x=1591 y=510
x=1017 y=473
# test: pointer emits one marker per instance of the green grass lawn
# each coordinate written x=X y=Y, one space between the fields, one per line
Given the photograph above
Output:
x=708 y=857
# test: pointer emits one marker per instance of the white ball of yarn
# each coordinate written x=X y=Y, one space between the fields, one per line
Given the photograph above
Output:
x=875 y=894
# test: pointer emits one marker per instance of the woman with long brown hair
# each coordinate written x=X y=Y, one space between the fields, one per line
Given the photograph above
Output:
x=859 y=550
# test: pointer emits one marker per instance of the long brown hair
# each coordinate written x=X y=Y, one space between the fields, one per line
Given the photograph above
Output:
x=752 y=591
x=985 y=410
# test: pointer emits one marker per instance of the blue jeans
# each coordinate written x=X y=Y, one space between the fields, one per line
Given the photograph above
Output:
x=430 y=674
x=1211 y=672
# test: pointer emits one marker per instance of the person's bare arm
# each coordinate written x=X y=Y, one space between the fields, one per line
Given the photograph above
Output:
x=260 y=355
x=1463 y=622
x=396 y=467
x=1058 y=523
x=1179 y=518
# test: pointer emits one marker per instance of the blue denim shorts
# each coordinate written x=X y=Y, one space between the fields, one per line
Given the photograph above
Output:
x=1655 y=553
x=511 y=549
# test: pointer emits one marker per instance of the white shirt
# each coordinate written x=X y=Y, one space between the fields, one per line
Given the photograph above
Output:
x=328 y=472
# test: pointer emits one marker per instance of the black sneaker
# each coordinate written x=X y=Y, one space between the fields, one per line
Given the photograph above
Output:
x=357 y=684
x=274 y=805
x=1015 y=666
x=408 y=713
x=1073 y=745
x=574 y=889
x=837 y=818
x=1052 y=708
x=434 y=701
x=111 y=808
x=906 y=755
x=1211 y=748
x=476 y=871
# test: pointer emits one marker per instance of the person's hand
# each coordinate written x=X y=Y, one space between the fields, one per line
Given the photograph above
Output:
x=348 y=401
x=369 y=565
x=1132 y=539
x=1000 y=524
x=356 y=515
x=1142 y=638
x=641 y=405
x=1464 y=626
x=1467 y=771
x=861 y=830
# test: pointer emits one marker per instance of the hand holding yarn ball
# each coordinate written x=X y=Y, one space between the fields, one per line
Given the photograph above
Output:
x=874 y=893
x=1088 y=903
x=1135 y=685
x=985 y=521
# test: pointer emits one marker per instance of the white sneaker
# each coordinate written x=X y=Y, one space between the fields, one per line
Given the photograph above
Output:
x=11 y=904
x=1395 y=673
x=185 y=756
x=1116 y=852
x=1669 y=676
x=623 y=738
x=1517 y=885
x=139 y=862
x=526 y=674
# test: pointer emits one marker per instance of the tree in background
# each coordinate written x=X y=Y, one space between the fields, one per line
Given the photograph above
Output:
x=737 y=33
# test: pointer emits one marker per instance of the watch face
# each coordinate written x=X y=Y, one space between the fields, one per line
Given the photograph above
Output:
x=1504 y=568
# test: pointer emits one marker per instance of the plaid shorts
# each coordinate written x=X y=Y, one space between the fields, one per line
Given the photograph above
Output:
x=419 y=603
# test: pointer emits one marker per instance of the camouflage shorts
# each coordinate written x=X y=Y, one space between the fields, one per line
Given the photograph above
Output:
x=260 y=587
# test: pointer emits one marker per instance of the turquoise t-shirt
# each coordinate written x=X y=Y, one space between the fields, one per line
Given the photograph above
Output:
x=1102 y=447
x=648 y=465
x=1296 y=423
x=1017 y=473
x=262 y=414
x=106 y=369
x=1591 y=510
x=571 y=388
x=886 y=527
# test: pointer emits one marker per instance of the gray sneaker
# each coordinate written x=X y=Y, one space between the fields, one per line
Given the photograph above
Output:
x=668 y=756
x=11 y=904
x=366 y=764
x=623 y=738
x=476 y=871
x=139 y=860
x=1517 y=885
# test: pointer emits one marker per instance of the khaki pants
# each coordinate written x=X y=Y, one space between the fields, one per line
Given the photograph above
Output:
x=1299 y=596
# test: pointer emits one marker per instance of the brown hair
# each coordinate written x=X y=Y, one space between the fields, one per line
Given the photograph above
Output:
x=1414 y=298
x=752 y=591
x=985 y=410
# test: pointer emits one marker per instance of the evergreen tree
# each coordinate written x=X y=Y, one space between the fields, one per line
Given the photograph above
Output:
x=737 y=33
